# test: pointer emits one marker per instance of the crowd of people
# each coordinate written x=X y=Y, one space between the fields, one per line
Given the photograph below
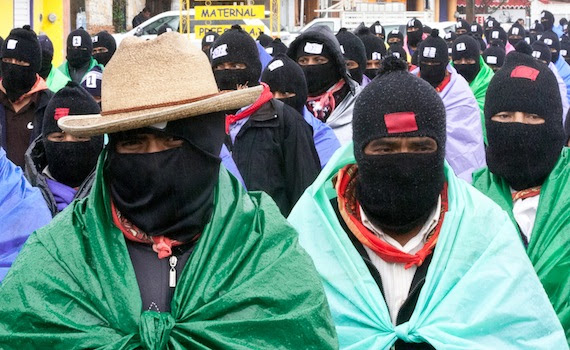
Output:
x=352 y=190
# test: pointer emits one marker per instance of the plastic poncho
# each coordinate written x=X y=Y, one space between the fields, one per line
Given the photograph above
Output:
x=247 y=284
x=56 y=80
x=64 y=67
x=340 y=120
x=564 y=72
x=480 y=291
x=22 y=210
x=563 y=91
x=464 y=148
x=325 y=140
x=549 y=246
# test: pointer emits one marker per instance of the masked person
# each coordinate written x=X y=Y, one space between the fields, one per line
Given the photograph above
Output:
x=79 y=56
x=462 y=27
x=565 y=48
x=92 y=83
x=414 y=36
x=465 y=148
x=516 y=34
x=54 y=78
x=536 y=28
x=264 y=39
x=104 y=46
x=378 y=30
x=331 y=90
x=24 y=95
x=490 y=24
x=268 y=134
x=402 y=244
x=375 y=52
x=59 y=164
x=469 y=63
x=494 y=56
x=528 y=171
x=395 y=37
x=547 y=21
x=208 y=40
x=287 y=83
x=476 y=30
x=500 y=36
x=276 y=47
x=162 y=206
x=354 y=53
x=551 y=40
x=399 y=52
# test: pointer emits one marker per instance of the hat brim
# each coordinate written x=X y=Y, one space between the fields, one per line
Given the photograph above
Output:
x=96 y=124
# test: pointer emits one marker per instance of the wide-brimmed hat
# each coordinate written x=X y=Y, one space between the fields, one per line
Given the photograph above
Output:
x=154 y=81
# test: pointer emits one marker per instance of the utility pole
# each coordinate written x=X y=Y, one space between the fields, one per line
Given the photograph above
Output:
x=470 y=10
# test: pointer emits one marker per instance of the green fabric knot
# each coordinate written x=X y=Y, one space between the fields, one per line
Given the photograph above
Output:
x=155 y=329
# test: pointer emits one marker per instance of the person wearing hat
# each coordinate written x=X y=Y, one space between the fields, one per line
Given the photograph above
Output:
x=287 y=83
x=414 y=36
x=24 y=95
x=516 y=33
x=462 y=27
x=55 y=79
x=550 y=39
x=494 y=56
x=104 y=46
x=465 y=147
x=79 y=56
x=332 y=91
x=268 y=134
x=547 y=20
x=61 y=165
x=22 y=211
x=354 y=53
x=412 y=257
x=470 y=64
x=208 y=40
x=276 y=47
x=179 y=253
x=528 y=169
x=378 y=30
x=375 y=52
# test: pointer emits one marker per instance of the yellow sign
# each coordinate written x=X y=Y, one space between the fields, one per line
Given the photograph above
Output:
x=253 y=30
x=213 y=13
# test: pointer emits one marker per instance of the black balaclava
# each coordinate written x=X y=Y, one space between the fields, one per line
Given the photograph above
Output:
x=449 y=38
x=47 y=55
x=235 y=45
x=22 y=44
x=170 y=192
x=551 y=40
x=490 y=24
x=494 y=56
x=482 y=43
x=377 y=29
x=276 y=47
x=536 y=28
x=375 y=49
x=70 y=162
x=476 y=29
x=433 y=49
x=207 y=42
x=498 y=35
x=523 y=154
x=106 y=40
x=285 y=75
x=516 y=34
x=264 y=39
x=93 y=81
x=427 y=29
x=353 y=49
x=414 y=38
x=398 y=191
x=398 y=52
x=547 y=20
x=79 y=48
x=541 y=52
x=565 y=48
x=466 y=47
x=462 y=25
x=397 y=34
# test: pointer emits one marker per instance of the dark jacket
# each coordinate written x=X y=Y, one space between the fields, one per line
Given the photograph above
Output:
x=36 y=162
x=138 y=19
x=275 y=153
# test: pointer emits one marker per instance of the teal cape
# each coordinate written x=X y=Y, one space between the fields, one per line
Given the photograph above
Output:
x=247 y=284
x=480 y=292
x=64 y=67
x=56 y=80
x=549 y=246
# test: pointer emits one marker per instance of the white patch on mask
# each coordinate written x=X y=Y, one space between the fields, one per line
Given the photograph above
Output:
x=95 y=39
x=160 y=126
x=474 y=28
x=411 y=23
x=495 y=35
x=449 y=50
x=447 y=35
x=378 y=29
x=515 y=31
x=313 y=48
x=538 y=36
x=563 y=52
x=269 y=50
x=342 y=49
x=274 y=65
x=429 y=52
x=536 y=54
x=396 y=54
x=460 y=47
x=220 y=51
x=492 y=59
x=76 y=41
x=491 y=24
x=209 y=38
x=377 y=56
x=548 y=41
x=527 y=39
x=396 y=31
x=11 y=45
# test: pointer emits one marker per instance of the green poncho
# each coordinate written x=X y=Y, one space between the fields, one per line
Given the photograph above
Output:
x=56 y=80
x=549 y=246
x=247 y=284
x=64 y=68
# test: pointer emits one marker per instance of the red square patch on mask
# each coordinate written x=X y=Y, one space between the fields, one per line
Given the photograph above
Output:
x=60 y=112
x=400 y=122
x=525 y=73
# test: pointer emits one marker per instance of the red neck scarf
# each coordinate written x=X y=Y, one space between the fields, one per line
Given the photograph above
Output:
x=323 y=105
x=345 y=184
x=524 y=194
x=160 y=244
x=265 y=97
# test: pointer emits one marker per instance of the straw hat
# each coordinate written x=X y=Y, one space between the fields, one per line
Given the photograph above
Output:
x=153 y=81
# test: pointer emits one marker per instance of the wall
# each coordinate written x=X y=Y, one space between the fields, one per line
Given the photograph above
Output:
x=6 y=17
x=133 y=9
x=99 y=15
x=56 y=31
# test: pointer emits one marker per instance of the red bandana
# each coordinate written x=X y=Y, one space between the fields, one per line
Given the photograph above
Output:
x=524 y=194
x=265 y=97
x=323 y=105
x=160 y=244
x=345 y=185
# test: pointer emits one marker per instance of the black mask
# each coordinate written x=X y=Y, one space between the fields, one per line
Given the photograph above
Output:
x=414 y=38
x=524 y=155
x=468 y=71
x=402 y=197
x=17 y=80
x=356 y=74
x=71 y=162
x=167 y=193
x=296 y=102
x=103 y=57
x=555 y=56
x=548 y=24
x=371 y=73
x=433 y=74
x=46 y=65
x=78 y=58
x=230 y=79
x=320 y=77
x=515 y=41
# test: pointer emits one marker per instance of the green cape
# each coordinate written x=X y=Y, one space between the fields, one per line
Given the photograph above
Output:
x=56 y=80
x=247 y=284
x=549 y=246
x=64 y=67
